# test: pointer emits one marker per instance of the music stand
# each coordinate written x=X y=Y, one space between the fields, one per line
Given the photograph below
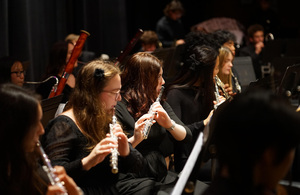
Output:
x=290 y=83
x=49 y=107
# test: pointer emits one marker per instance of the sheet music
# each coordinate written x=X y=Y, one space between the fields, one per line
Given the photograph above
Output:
x=187 y=169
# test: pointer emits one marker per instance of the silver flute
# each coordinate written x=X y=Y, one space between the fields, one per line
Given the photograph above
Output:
x=54 y=180
x=217 y=94
x=149 y=122
x=114 y=152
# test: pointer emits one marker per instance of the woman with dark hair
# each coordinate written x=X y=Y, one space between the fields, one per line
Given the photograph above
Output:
x=11 y=71
x=78 y=138
x=191 y=95
x=20 y=128
x=141 y=84
x=60 y=54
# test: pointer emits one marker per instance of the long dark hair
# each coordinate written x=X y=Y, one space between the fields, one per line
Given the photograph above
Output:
x=199 y=64
x=19 y=111
x=57 y=58
x=139 y=82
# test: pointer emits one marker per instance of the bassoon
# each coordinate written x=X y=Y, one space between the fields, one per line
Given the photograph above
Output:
x=129 y=47
x=70 y=65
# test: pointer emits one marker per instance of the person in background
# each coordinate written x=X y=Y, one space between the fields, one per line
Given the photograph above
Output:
x=229 y=81
x=60 y=54
x=79 y=138
x=149 y=41
x=191 y=95
x=85 y=56
x=226 y=39
x=255 y=47
x=11 y=71
x=169 y=28
x=73 y=38
x=255 y=136
x=20 y=129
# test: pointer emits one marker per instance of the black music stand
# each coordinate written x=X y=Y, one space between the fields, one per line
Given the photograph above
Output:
x=290 y=84
x=49 y=107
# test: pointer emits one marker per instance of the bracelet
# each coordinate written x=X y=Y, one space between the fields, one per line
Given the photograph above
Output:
x=172 y=127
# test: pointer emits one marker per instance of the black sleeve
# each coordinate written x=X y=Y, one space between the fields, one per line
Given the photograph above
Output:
x=58 y=143
x=174 y=117
x=132 y=163
x=174 y=99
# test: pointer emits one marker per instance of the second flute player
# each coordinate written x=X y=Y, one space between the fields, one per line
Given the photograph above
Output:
x=141 y=84
x=79 y=139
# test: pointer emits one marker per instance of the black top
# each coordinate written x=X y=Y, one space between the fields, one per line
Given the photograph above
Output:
x=190 y=112
x=168 y=31
x=159 y=143
x=65 y=145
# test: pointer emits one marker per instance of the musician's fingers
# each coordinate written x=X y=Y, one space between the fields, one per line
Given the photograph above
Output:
x=53 y=190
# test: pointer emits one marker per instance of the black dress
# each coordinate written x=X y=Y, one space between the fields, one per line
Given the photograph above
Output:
x=65 y=145
x=157 y=146
x=190 y=112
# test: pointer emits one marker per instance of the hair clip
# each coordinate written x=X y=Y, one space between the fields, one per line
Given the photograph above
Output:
x=193 y=61
x=99 y=73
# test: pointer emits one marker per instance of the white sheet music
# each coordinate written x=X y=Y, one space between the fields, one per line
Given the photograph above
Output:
x=186 y=172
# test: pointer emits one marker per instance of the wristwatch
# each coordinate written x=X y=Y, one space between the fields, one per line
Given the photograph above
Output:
x=173 y=125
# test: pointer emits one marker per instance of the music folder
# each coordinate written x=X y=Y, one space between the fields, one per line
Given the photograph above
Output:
x=49 y=107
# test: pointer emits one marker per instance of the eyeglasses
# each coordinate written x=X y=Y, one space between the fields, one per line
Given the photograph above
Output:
x=18 y=73
x=116 y=93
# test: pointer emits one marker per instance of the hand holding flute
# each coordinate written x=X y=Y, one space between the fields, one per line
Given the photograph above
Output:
x=149 y=122
x=116 y=141
x=53 y=178
x=114 y=152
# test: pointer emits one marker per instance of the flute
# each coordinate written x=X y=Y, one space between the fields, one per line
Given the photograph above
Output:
x=149 y=122
x=217 y=94
x=222 y=87
x=54 y=180
x=114 y=152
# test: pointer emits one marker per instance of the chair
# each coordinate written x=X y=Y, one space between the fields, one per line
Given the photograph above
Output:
x=49 y=107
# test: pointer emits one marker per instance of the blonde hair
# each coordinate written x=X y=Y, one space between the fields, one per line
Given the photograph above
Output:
x=89 y=112
x=224 y=52
x=72 y=38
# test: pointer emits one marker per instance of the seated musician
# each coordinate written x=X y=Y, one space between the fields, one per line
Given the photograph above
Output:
x=142 y=83
x=20 y=128
x=78 y=138
x=60 y=54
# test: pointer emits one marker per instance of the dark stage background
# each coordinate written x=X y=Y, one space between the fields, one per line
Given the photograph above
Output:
x=28 y=28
